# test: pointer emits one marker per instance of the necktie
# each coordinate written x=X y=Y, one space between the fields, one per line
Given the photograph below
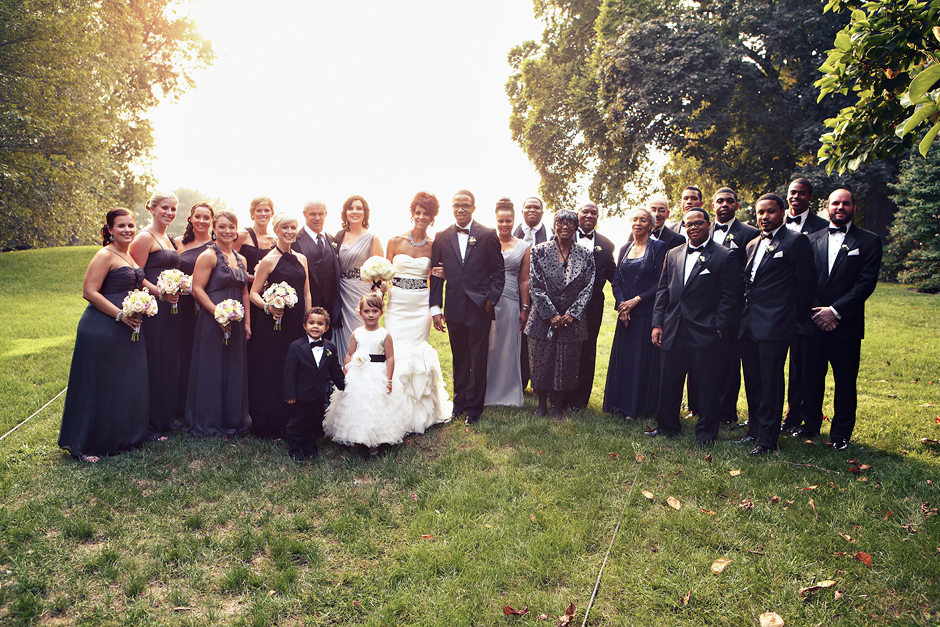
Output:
x=797 y=219
x=465 y=231
x=529 y=235
x=766 y=235
x=694 y=250
x=721 y=227
x=319 y=242
x=837 y=229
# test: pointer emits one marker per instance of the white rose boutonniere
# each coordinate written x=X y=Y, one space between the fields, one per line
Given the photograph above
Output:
x=844 y=247
x=471 y=241
x=328 y=352
x=771 y=248
x=729 y=238
x=597 y=249
x=333 y=244
x=702 y=259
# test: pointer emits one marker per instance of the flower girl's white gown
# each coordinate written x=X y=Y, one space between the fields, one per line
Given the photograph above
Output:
x=417 y=366
x=365 y=413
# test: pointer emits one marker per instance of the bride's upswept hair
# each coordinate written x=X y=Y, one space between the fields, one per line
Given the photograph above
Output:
x=372 y=299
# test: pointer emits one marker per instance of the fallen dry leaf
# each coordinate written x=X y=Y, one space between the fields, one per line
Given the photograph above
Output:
x=532 y=517
x=612 y=455
x=864 y=467
x=775 y=499
x=182 y=608
x=640 y=457
x=852 y=462
x=888 y=515
x=770 y=619
x=928 y=405
x=271 y=593
x=734 y=473
x=427 y=536
x=746 y=504
x=929 y=441
x=828 y=583
x=719 y=565
x=863 y=557
x=847 y=537
x=685 y=600
x=508 y=611
x=910 y=528
x=542 y=617
x=838 y=594
x=674 y=503
x=708 y=457
x=708 y=511
x=813 y=506
x=854 y=470
x=356 y=603
x=755 y=552
x=929 y=482
x=414 y=497
x=565 y=620
x=649 y=495
x=812 y=487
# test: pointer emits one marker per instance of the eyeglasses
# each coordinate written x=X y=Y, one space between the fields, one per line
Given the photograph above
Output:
x=464 y=207
x=695 y=225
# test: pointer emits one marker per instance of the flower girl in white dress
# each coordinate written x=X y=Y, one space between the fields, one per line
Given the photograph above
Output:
x=368 y=412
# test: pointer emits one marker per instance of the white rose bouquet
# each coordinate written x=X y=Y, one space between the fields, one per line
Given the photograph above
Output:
x=140 y=303
x=280 y=295
x=377 y=269
x=228 y=311
x=171 y=281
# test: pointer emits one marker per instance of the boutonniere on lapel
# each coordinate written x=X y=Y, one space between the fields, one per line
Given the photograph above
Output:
x=729 y=238
x=771 y=248
x=597 y=249
x=702 y=259
x=844 y=247
x=328 y=352
x=471 y=241
x=333 y=244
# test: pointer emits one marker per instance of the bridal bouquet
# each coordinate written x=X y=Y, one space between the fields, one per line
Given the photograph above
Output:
x=280 y=295
x=139 y=302
x=377 y=269
x=228 y=311
x=172 y=281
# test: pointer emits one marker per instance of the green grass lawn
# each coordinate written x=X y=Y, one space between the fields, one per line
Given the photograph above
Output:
x=452 y=526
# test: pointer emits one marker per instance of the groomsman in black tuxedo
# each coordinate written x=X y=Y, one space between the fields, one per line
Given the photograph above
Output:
x=603 y=251
x=471 y=260
x=697 y=310
x=734 y=235
x=800 y=219
x=848 y=260
x=691 y=199
x=777 y=295
x=322 y=262
x=534 y=231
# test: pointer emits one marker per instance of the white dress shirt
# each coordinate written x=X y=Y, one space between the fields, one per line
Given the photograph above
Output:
x=761 y=250
x=586 y=242
x=835 y=243
x=316 y=237
x=719 y=236
x=691 y=258
x=797 y=227
x=317 y=351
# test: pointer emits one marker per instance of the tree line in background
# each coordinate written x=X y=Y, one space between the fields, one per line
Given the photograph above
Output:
x=77 y=78
x=729 y=91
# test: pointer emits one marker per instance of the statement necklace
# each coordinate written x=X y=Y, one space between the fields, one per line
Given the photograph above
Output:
x=417 y=244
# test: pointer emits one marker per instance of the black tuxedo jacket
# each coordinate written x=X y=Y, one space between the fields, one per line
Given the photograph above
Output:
x=305 y=246
x=469 y=282
x=667 y=236
x=603 y=269
x=812 y=223
x=541 y=235
x=779 y=297
x=739 y=234
x=708 y=304
x=852 y=280
x=303 y=379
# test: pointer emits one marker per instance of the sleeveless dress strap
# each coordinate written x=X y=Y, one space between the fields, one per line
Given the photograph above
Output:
x=126 y=265
x=158 y=241
x=254 y=238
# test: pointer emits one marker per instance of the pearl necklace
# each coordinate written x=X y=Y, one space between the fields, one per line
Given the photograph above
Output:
x=416 y=244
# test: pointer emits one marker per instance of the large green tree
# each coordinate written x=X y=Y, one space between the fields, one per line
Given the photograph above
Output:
x=76 y=80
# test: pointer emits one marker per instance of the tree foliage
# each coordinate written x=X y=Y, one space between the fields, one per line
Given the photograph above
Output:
x=888 y=57
x=913 y=251
x=76 y=80
x=726 y=84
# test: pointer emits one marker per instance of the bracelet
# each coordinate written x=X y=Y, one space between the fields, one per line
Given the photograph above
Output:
x=526 y=307
x=265 y=308
x=636 y=300
x=118 y=317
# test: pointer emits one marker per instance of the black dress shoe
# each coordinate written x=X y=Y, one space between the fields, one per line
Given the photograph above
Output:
x=761 y=450
x=840 y=445
x=804 y=433
x=742 y=424
x=455 y=416
x=659 y=432
x=745 y=440
x=471 y=420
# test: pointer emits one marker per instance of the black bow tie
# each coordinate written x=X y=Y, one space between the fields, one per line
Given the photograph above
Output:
x=465 y=231
x=766 y=235
x=314 y=343
x=583 y=235
x=797 y=219
x=838 y=229
x=721 y=227
x=694 y=250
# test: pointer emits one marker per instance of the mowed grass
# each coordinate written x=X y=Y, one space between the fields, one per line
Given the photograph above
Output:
x=454 y=525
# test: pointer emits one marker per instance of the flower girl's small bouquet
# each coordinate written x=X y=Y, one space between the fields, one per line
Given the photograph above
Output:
x=173 y=281
x=228 y=311
x=280 y=295
x=377 y=269
x=139 y=302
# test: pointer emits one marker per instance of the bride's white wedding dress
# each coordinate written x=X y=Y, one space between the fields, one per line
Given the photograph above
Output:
x=417 y=366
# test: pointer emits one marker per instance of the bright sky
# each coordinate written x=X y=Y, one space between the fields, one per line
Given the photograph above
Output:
x=322 y=100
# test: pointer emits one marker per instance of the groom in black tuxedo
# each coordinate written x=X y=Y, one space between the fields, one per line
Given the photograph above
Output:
x=322 y=262
x=471 y=259
x=848 y=260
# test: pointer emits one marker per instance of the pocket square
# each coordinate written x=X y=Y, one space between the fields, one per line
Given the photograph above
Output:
x=733 y=246
x=852 y=252
x=778 y=255
x=704 y=272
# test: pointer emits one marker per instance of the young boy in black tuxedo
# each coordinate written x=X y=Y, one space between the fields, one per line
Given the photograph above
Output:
x=311 y=365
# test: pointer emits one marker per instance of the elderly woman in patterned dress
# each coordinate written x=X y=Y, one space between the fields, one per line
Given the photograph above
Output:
x=561 y=276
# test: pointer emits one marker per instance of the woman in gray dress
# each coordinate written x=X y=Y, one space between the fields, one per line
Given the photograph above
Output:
x=503 y=370
x=561 y=275
x=356 y=245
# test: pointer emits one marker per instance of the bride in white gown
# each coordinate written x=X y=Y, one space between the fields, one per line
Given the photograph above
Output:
x=408 y=320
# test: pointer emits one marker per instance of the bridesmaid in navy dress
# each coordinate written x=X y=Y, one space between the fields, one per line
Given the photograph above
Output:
x=254 y=242
x=632 y=376
x=267 y=350
x=194 y=242
x=106 y=407
x=217 y=400
x=155 y=251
